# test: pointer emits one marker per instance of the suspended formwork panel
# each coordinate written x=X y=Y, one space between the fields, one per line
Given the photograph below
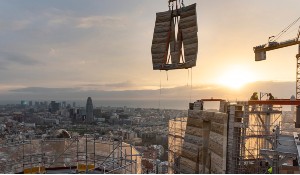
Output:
x=171 y=50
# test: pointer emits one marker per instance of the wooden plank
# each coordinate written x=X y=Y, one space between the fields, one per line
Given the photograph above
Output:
x=218 y=138
x=192 y=147
x=188 y=24
x=195 y=122
x=219 y=117
x=162 y=24
x=190 y=7
x=190 y=62
x=194 y=131
x=160 y=35
x=191 y=58
x=193 y=40
x=187 y=35
x=188 y=19
x=216 y=148
x=217 y=128
x=161 y=29
x=190 y=51
x=204 y=115
x=187 y=163
x=159 y=40
x=186 y=170
x=158 y=50
x=163 y=17
x=188 y=11
x=155 y=46
x=217 y=160
x=157 y=61
x=157 y=66
x=191 y=46
x=169 y=12
x=158 y=56
x=190 y=155
x=165 y=13
x=215 y=169
x=193 y=139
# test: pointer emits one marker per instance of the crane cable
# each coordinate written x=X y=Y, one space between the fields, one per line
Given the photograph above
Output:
x=159 y=89
x=283 y=31
x=191 y=85
x=187 y=82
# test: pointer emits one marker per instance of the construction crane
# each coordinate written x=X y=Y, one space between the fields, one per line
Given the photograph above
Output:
x=260 y=51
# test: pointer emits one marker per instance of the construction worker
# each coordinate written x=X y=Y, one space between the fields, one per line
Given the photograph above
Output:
x=271 y=97
x=254 y=96
x=270 y=170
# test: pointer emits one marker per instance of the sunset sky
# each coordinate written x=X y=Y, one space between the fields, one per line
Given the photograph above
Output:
x=96 y=45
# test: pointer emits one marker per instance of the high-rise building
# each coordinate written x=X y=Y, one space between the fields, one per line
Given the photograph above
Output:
x=64 y=104
x=54 y=107
x=89 y=110
x=23 y=103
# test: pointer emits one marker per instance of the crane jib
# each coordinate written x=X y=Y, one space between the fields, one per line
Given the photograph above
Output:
x=275 y=45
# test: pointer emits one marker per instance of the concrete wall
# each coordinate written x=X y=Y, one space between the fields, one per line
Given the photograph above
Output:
x=205 y=143
x=288 y=123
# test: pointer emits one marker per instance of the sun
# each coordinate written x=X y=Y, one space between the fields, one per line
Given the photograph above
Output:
x=236 y=77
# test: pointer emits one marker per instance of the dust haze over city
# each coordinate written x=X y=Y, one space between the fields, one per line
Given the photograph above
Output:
x=151 y=80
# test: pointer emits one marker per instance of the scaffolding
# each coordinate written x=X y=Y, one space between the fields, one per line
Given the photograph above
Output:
x=255 y=132
x=70 y=155
x=176 y=134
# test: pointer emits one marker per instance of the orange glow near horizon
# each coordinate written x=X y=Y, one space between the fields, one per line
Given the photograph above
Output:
x=236 y=77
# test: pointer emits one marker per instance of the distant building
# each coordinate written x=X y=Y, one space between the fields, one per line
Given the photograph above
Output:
x=30 y=103
x=64 y=104
x=46 y=104
x=97 y=112
x=73 y=114
x=23 y=103
x=54 y=107
x=89 y=110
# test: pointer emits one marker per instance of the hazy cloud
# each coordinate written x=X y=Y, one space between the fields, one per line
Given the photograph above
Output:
x=13 y=58
x=126 y=85
x=101 y=21
x=279 y=90
x=44 y=90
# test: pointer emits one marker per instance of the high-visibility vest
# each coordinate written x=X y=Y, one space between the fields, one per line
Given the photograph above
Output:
x=270 y=170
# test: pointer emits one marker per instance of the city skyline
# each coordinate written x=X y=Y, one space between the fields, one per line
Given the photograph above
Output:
x=103 y=48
